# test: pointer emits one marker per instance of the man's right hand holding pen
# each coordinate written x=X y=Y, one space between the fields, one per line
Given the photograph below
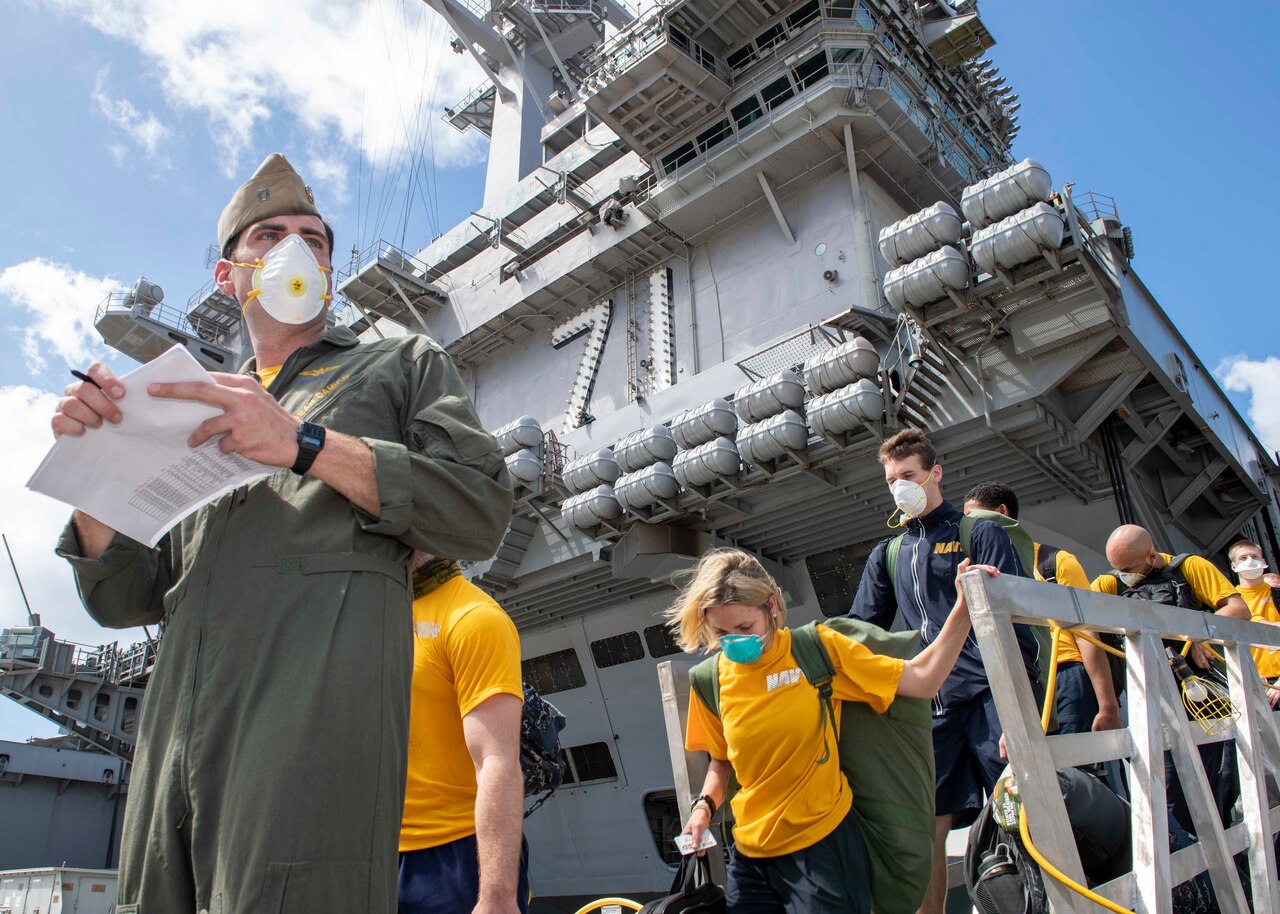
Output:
x=87 y=402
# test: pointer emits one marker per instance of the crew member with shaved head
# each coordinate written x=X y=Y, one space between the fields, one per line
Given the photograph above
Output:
x=270 y=769
x=1142 y=572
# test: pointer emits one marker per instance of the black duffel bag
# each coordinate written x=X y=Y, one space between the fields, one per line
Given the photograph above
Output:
x=692 y=892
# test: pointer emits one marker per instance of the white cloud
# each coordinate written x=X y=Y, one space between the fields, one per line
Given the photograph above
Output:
x=1261 y=380
x=56 y=304
x=146 y=132
x=359 y=77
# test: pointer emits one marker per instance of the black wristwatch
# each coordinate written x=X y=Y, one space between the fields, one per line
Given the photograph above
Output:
x=703 y=798
x=310 y=442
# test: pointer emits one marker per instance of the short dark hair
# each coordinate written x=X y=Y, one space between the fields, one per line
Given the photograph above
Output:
x=991 y=495
x=229 y=248
x=1239 y=544
x=910 y=442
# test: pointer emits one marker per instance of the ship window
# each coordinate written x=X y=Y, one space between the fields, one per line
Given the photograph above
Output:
x=663 y=815
x=807 y=13
x=568 y=768
x=678 y=156
x=852 y=9
x=618 y=649
x=555 y=672
x=741 y=58
x=661 y=640
x=845 y=61
x=811 y=70
x=746 y=111
x=835 y=576
x=898 y=92
x=678 y=38
x=777 y=92
x=714 y=135
x=891 y=45
x=705 y=58
x=771 y=36
x=592 y=762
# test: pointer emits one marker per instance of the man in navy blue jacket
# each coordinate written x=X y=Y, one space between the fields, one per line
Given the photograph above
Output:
x=966 y=730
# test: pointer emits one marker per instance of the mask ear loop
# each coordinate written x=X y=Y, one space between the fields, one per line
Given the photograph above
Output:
x=901 y=523
x=255 y=291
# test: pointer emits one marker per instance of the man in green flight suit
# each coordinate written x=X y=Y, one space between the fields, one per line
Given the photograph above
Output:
x=270 y=769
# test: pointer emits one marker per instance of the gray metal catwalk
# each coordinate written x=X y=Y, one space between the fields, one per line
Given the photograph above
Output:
x=736 y=243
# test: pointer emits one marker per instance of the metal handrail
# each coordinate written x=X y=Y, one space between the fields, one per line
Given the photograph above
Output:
x=163 y=314
x=637 y=40
x=385 y=251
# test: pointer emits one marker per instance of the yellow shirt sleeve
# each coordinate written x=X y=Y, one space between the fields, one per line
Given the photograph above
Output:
x=1105 y=583
x=860 y=674
x=704 y=731
x=1208 y=583
x=1070 y=573
x=484 y=651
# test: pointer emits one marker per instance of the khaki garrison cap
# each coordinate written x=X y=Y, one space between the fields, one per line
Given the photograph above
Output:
x=274 y=190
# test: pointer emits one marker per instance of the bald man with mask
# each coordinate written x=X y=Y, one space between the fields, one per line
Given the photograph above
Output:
x=1142 y=572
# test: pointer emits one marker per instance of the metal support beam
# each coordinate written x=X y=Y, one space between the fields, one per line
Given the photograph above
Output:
x=777 y=210
x=867 y=278
x=1191 y=491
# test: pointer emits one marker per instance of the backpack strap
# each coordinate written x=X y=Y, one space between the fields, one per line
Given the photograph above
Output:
x=891 y=557
x=1175 y=563
x=815 y=663
x=704 y=680
x=966 y=534
x=1047 y=566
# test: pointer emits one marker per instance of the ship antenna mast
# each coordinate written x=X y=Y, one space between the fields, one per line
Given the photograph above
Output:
x=32 y=618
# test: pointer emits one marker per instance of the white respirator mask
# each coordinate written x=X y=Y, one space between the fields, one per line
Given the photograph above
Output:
x=1250 y=569
x=289 y=282
x=910 y=498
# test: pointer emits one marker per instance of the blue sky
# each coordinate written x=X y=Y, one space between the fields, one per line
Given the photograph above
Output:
x=129 y=122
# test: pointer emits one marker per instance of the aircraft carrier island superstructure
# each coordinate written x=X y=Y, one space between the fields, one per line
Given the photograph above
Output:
x=725 y=248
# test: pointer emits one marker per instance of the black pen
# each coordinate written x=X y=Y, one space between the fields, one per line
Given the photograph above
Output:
x=84 y=377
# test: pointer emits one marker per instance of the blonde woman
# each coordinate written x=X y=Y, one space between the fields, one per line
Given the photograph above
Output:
x=798 y=849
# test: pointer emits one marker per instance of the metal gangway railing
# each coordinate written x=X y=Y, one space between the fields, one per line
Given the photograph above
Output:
x=1157 y=724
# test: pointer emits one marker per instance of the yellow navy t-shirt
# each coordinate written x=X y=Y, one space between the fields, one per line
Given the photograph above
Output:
x=1262 y=608
x=769 y=731
x=465 y=650
x=1069 y=573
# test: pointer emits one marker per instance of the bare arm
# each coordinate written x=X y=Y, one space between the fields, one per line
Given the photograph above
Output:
x=1098 y=668
x=714 y=785
x=924 y=673
x=492 y=732
x=1234 y=607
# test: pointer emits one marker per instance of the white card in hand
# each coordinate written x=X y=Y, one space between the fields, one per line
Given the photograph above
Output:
x=685 y=843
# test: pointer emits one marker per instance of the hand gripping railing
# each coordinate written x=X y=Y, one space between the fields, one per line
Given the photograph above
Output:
x=1157 y=723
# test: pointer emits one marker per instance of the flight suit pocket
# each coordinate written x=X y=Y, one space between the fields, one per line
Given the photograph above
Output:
x=281 y=881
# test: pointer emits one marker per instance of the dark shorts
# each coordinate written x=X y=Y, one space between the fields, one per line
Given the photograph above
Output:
x=966 y=754
x=446 y=879
x=831 y=877
x=1074 y=699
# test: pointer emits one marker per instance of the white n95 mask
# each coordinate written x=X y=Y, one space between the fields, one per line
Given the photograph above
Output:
x=1250 y=568
x=289 y=282
x=910 y=497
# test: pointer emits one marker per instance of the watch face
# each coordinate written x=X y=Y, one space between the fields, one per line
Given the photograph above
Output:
x=312 y=435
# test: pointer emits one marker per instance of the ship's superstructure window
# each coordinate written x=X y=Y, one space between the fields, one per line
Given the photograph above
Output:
x=803 y=16
x=556 y=672
x=568 y=768
x=846 y=61
x=592 y=762
x=810 y=70
x=777 y=92
x=857 y=10
x=746 y=111
x=679 y=156
x=617 y=649
x=661 y=641
x=771 y=36
x=663 y=814
x=714 y=135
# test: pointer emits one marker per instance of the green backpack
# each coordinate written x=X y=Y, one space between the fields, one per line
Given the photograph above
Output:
x=887 y=759
x=1025 y=547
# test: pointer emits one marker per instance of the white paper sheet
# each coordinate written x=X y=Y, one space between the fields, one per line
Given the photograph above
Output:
x=140 y=477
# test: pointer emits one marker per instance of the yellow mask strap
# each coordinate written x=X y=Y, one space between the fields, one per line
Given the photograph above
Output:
x=901 y=522
x=249 y=266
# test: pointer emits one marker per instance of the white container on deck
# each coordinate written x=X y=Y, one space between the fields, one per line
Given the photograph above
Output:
x=773 y=437
x=920 y=233
x=708 y=462
x=845 y=409
x=525 y=466
x=522 y=432
x=591 y=470
x=591 y=508
x=58 y=890
x=925 y=281
x=1018 y=239
x=844 y=364
x=646 y=487
x=704 y=423
x=1005 y=193
x=769 y=396
x=644 y=447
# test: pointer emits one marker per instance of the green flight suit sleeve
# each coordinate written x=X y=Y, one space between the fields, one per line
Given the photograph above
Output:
x=123 y=587
x=447 y=492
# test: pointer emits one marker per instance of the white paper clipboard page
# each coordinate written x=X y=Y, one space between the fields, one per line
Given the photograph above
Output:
x=140 y=477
